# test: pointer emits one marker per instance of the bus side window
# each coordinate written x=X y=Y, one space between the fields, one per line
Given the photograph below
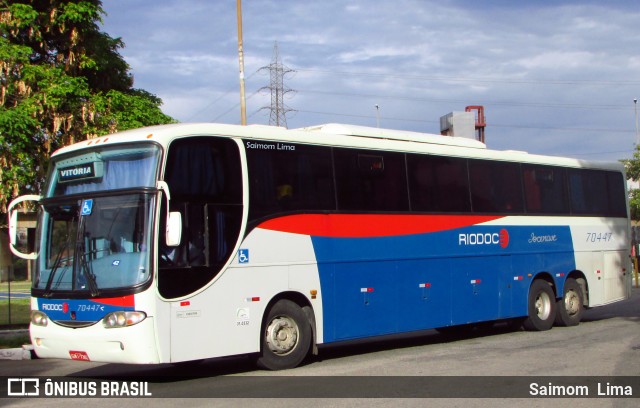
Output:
x=545 y=190
x=371 y=180
x=286 y=181
x=592 y=193
x=496 y=187
x=438 y=184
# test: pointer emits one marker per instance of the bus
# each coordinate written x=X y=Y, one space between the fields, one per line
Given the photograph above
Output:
x=193 y=241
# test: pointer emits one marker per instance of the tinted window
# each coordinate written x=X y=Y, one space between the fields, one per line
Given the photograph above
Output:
x=545 y=190
x=617 y=194
x=205 y=181
x=285 y=177
x=371 y=180
x=496 y=187
x=438 y=184
x=204 y=169
x=598 y=193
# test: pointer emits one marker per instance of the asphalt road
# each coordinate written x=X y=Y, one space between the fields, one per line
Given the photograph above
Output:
x=503 y=362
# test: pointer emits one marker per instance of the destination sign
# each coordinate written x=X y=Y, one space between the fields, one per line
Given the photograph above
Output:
x=80 y=172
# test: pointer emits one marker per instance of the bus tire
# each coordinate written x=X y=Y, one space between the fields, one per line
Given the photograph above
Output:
x=541 y=307
x=286 y=337
x=569 y=308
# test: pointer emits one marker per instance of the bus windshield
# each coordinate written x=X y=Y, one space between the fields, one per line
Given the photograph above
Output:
x=103 y=169
x=96 y=222
x=95 y=244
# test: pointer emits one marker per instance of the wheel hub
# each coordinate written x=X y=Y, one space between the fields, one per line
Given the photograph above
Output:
x=572 y=303
x=543 y=306
x=282 y=335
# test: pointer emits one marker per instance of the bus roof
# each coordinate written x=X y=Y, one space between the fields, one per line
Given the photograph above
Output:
x=340 y=135
x=379 y=133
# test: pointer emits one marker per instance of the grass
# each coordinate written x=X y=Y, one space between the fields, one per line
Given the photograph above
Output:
x=16 y=341
x=20 y=313
x=16 y=314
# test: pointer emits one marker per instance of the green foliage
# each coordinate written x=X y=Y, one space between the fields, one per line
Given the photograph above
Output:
x=62 y=80
x=632 y=167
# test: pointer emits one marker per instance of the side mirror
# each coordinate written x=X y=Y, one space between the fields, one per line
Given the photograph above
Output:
x=13 y=225
x=174 y=229
x=173 y=232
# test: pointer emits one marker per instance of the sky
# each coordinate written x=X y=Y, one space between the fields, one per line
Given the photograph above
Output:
x=555 y=77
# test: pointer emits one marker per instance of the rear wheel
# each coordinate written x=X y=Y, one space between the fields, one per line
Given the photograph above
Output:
x=570 y=306
x=542 y=307
x=286 y=337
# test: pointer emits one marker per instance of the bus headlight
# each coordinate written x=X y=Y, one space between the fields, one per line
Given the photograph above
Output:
x=123 y=319
x=39 y=319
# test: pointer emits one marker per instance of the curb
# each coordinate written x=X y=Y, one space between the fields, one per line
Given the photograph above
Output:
x=24 y=353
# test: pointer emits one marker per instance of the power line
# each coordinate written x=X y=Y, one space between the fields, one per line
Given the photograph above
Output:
x=493 y=125
x=225 y=94
x=573 y=81
x=485 y=102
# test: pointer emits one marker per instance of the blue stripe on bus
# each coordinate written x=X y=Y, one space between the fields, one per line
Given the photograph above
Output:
x=84 y=310
x=384 y=285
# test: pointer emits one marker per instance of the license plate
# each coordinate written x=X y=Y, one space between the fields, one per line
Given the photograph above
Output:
x=79 y=355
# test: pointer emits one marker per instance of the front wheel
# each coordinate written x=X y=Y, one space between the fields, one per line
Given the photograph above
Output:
x=542 y=307
x=286 y=337
x=571 y=305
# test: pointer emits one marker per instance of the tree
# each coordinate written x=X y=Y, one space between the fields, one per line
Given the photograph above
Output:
x=62 y=80
x=632 y=166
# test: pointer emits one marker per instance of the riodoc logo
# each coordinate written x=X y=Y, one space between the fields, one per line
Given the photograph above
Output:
x=485 y=238
x=504 y=238
x=59 y=307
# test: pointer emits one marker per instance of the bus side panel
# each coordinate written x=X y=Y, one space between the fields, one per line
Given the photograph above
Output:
x=477 y=288
x=602 y=254
x=375 y=298
x=368 y=282
x=425 y=294
x=365 y=292
x=615 y=276
x=226 y=317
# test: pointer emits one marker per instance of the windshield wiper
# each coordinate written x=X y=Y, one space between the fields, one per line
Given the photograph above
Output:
x=81 y=257
x=47 y=291
x=89 y=275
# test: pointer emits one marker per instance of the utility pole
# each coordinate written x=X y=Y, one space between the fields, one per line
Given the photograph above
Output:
x=243 y=101
x=277 y=71
x=635 y=108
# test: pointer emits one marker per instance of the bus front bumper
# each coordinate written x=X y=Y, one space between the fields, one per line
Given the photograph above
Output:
x=133 y=345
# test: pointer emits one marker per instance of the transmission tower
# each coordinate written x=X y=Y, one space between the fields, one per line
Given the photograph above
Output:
x=277 y=71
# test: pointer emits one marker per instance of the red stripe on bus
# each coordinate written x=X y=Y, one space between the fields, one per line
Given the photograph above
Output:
x=124 y=301
x=370 y=225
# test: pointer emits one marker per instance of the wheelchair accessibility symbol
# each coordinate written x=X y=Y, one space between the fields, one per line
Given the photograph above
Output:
x=243 y=256
x=87 y=207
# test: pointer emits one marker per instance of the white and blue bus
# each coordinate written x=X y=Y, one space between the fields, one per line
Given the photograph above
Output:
x=192 y=241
